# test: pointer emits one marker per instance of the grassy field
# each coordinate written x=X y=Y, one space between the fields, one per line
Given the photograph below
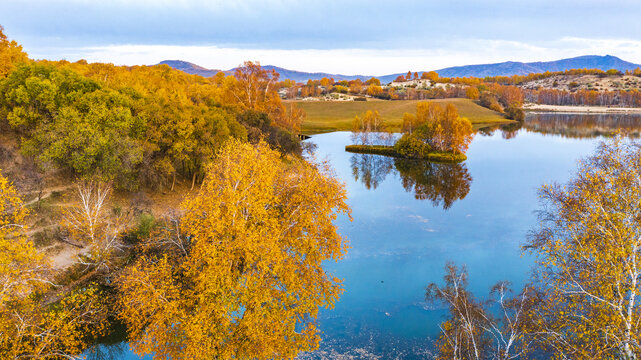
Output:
x=326 y=116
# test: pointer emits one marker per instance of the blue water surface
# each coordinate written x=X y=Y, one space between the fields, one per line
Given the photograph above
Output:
x=410 y=220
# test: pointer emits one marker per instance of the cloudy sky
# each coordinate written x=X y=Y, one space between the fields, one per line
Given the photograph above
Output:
x=340 y=36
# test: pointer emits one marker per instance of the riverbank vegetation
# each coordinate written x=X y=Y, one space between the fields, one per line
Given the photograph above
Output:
x=583 y=298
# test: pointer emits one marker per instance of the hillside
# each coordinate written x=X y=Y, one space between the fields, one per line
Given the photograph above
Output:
x=585 y=82
x=482 y=70
x=326 y=116
x=519 y=68
x=190 y=68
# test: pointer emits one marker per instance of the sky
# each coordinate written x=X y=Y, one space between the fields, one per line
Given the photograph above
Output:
x=366 y=37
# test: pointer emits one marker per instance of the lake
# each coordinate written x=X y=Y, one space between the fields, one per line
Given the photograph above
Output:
x=410 y=218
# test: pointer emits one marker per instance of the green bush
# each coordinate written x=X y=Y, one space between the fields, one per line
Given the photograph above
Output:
x=410 y=146
x=146 y=223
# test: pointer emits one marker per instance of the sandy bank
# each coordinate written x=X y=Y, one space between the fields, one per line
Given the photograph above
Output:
x=580 y=109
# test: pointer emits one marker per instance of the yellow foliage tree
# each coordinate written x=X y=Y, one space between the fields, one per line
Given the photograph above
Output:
x=29 y=326
x=243 y=276
x=374 y=90
x=409 y=123
x=255 y=89
x=472 y=93
x=589 y=247
x=369 y=128
x=442 y=129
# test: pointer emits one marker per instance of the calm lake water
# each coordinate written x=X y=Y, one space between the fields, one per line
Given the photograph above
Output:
x=410 y=218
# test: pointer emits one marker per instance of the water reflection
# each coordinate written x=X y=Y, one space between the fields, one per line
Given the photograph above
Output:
x=107 y=352
x=441 y=184
x=584 y=125
x=578 y=126
x=371 y=170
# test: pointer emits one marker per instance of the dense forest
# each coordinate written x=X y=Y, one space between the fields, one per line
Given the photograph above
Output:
x=105 y=132
x=140 y=125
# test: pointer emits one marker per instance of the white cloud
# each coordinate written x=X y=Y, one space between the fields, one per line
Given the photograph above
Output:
x=419 y=218
x=354 y=61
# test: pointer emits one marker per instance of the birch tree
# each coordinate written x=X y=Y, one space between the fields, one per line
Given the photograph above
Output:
x=589 y=257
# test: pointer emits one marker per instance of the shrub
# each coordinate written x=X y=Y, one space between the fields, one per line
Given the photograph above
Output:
x=514 y=113
x=411 y=147
x=146 y=223
x=496 y=107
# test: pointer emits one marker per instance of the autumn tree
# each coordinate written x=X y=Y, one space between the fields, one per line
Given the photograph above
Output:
x=589 y=257
x=10 y=54
x=441 y=129
x=92 y=224
x=430 y=75
x=255 y=87
x=31 y=327
x=472 y=93
x=409 y=123
x=374 y=90
x=326 y=82
x=246 y=280
x=369 y=128
x=373 y=81
x=355 y=86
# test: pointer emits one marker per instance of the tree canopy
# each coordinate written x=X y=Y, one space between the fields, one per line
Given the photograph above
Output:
x=243 y=275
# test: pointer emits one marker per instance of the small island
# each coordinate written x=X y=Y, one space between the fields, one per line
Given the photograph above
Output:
x=434 y=156
x=432 y=134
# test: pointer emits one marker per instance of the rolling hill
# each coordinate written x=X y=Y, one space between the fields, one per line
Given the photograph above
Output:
x=190 y=68
x=509 y=68
x=499 y=69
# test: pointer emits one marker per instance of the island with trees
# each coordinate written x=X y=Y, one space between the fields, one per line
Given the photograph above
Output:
x=432 y=133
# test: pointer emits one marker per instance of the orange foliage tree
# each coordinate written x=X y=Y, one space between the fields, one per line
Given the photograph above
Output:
x=441 y=129
x=255 y=89
x=10 y=54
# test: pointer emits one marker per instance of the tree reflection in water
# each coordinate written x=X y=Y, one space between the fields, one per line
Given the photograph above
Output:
x=571 y=125
x=442 y=184
x=371 y=170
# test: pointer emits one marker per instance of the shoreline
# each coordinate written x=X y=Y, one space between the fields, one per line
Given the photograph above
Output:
x=582 y=109
x=434 y=156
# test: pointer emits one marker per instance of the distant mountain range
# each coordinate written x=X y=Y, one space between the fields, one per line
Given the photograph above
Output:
x=508 y=68
x=284 y=73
